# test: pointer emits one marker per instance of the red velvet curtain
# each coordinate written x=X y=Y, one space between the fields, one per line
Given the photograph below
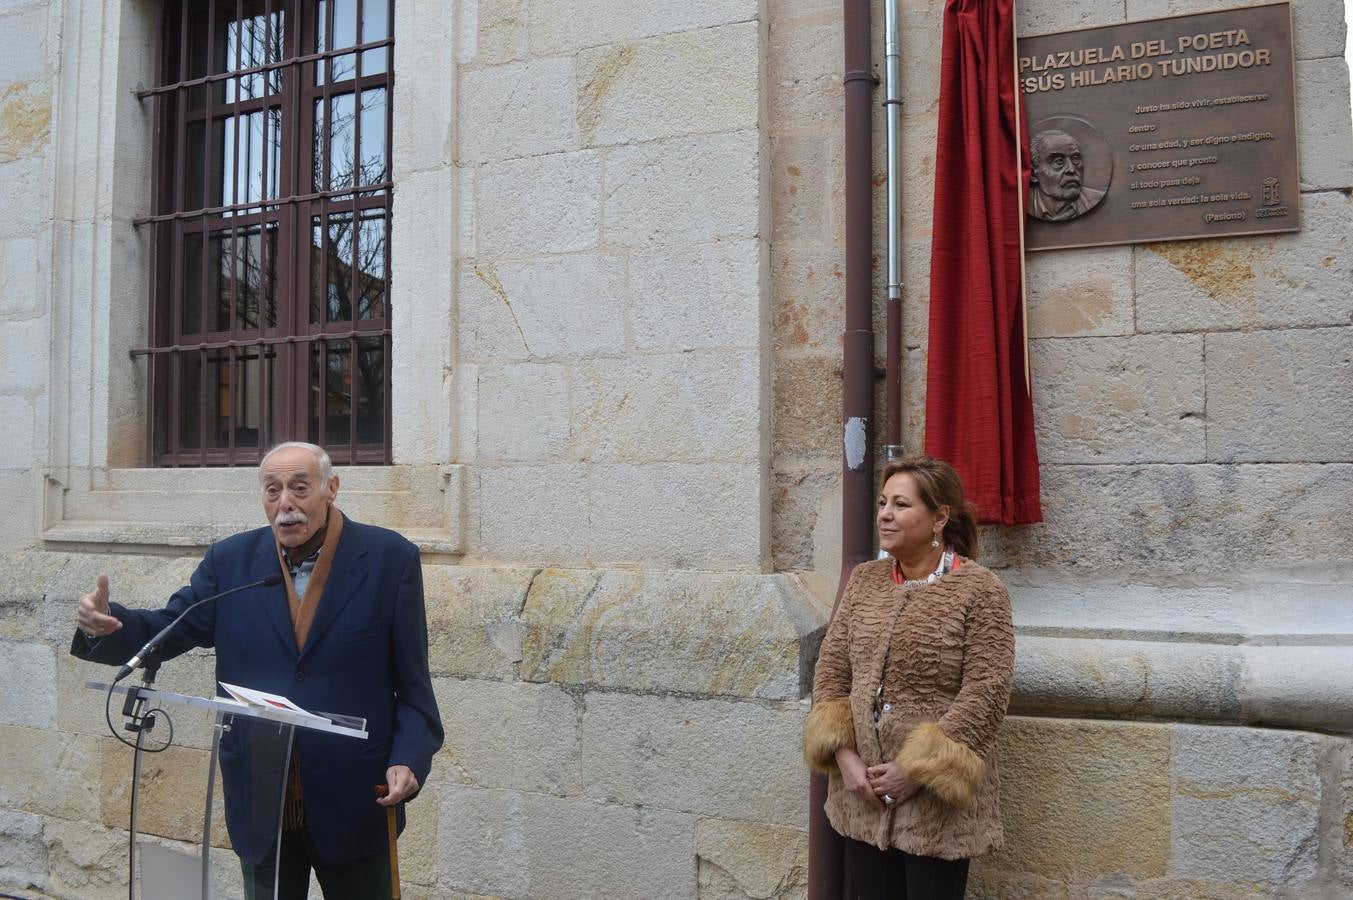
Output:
x=979 y=415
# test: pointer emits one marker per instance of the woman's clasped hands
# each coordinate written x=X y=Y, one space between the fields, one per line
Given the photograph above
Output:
x=883 y=785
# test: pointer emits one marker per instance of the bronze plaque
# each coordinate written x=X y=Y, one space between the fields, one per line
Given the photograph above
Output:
x=1161 y=130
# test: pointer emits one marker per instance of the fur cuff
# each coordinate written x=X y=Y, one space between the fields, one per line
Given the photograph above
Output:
x=829 y=728
x=945 y=766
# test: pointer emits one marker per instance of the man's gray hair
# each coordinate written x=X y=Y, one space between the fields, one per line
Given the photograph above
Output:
x=1040 y=141
x=326 y=465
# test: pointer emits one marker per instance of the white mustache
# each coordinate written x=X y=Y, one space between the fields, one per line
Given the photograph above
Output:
x=292 y=518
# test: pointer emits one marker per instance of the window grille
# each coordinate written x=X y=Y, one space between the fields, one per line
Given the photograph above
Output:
x=271 y=231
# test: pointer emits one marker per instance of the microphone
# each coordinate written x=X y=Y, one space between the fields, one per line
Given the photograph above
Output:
x=154 y=643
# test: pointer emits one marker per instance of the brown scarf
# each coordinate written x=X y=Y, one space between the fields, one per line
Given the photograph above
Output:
x=303 y=608
x=302 y=615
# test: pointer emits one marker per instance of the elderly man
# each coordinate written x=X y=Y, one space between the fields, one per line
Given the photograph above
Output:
x=346 y=632
x=1057 y=192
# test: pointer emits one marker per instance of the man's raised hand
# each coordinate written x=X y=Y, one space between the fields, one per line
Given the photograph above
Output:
x=92 y=616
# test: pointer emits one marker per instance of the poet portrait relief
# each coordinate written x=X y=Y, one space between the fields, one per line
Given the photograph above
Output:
x=1070 y=165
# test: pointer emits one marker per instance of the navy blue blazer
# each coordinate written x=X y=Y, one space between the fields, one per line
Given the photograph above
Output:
x=365 y=655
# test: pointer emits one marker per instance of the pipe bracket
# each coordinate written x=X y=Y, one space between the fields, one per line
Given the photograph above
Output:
x=860 y=75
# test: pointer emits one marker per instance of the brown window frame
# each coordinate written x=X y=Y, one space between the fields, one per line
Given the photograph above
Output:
x=296 y=335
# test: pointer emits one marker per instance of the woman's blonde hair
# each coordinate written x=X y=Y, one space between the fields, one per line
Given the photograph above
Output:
x=938 y=485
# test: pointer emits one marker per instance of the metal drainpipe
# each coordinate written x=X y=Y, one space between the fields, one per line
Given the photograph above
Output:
x=825 y=848
x=892 y=105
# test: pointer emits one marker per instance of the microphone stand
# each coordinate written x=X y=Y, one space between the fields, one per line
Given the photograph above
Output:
x=139 y=722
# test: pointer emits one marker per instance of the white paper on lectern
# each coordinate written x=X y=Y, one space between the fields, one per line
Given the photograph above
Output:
x=264 y=700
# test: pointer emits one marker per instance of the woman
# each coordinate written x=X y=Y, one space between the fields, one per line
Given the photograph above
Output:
x=911 y=688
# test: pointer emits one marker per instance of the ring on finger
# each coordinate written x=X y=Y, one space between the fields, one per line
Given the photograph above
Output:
x=888 y=800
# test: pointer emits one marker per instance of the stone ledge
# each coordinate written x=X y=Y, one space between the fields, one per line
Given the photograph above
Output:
x=118 y=536
x=1274 y=606
x=685 y=632
x=196 y=507
x=1266 y=648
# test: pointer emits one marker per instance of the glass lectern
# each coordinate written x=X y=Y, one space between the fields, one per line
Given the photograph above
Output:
x=207 y=789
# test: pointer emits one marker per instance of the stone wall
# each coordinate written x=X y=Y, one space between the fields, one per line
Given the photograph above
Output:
x=26 y=87
x=582 y=299
x=28 y=684
x=1195 y=465
x=1195 y=462
x=611 y=298
x=1188 y=395
x=583 y=758
x=618 y=244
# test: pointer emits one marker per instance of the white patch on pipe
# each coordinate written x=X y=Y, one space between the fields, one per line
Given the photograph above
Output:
x=856 y=435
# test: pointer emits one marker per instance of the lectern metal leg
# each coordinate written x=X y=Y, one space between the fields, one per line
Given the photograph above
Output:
x=132 y=823
x=217 y=728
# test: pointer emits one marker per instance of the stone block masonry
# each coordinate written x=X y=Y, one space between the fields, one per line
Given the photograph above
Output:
x=1275 y=282
x=588 y=718
x=614 y=280
x=616 y=312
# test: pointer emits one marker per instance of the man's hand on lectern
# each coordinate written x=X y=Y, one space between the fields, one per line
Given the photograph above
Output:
x=92 y=616
x=403 y=785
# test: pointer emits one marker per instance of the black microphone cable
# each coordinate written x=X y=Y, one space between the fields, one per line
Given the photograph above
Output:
x=154 y=643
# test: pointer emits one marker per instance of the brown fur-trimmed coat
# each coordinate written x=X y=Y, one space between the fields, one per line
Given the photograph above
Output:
x=947 y=685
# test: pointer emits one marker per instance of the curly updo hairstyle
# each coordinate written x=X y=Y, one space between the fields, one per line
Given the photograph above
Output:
x=939 y=485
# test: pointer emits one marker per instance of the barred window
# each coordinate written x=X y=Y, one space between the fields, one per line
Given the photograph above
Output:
x=271 y=229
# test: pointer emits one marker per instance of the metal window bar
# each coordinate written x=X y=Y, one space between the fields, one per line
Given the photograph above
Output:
x=240 y=207
x=241 y=181
x=264 y=342
x=208 y=145
x=354 y=222
x=293 y=367
x=260 y=231
x=319 y=356
x=289 y=62
x=175 y=305
x=158 y=254
x=265 y=289
x=201 y=400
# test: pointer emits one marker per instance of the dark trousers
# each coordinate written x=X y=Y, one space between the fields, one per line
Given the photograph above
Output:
x=892 y=874
x=360 y=879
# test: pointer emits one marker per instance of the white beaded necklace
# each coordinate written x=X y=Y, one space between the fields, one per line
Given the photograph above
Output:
x=944 y=568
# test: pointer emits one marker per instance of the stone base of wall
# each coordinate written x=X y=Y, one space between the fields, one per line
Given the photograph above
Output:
x=636 y=734
x=705 y=799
